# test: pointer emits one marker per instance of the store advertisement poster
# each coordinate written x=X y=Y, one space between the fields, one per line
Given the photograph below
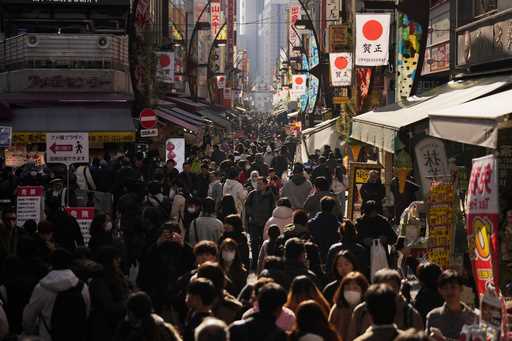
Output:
x=175 y=150
x=341 y=68
x=29 y=204
x=483 y=221
x=372 y=39
x=84 y=217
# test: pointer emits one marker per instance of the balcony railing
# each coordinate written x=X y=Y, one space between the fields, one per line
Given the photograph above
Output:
x=64 y=51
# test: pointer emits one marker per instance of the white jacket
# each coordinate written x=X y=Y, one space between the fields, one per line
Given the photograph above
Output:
x=281 y=216
x=43 y=298
x=236 y=189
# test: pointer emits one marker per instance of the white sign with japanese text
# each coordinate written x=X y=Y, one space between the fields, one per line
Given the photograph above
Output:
x=293 y=37
x=299 y=84
x=29 y=204
x=432 y=161
x=341 y=68
x=165 y=67
x=84 y=217
x=372 y=39
x=215 y=18
x=332 y=10
x=67 y=148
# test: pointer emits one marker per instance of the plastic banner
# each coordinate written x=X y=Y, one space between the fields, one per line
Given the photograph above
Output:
x=372 y=39
x=341 y=68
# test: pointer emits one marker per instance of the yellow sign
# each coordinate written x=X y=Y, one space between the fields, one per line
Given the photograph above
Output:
x=96 y=139
x=340 y=100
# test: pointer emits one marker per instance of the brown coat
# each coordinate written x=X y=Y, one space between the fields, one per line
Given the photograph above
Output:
x=340 y=318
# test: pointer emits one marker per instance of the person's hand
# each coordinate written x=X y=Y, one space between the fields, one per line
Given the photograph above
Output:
x=177 y=238
x=436 y=334
x=164 y=236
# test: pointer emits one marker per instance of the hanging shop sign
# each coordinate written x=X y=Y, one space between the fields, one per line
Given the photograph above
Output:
x=432 y=161
x=293 y=37
x=215 y=18
x=483 y=221
x=29 y=204
x=67 y=148
x=165 y=67
x=175 y=150
x=338 y=37
x=299 y=84
x=84 y=217
x=332 y=10
x=372 y=39
x=341 y=68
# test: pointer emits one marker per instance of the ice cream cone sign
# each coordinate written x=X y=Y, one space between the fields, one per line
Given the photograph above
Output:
x=403 y=172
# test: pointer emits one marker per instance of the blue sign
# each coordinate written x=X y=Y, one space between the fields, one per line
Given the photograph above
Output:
x=5 y=137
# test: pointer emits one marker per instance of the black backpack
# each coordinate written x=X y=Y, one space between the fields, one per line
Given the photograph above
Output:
x=69 y=316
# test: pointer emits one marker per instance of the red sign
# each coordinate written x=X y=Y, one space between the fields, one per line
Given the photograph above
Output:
x=148 y=119
x=215 y=15
x=84 y=217
x=483 y=221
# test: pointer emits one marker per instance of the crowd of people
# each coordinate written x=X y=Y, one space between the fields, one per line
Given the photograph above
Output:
x=242 y=244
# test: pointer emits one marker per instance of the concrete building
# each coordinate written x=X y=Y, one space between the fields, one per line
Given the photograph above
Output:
x=249 y=14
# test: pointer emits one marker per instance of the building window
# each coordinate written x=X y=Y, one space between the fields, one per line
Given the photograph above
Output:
x=484 y=6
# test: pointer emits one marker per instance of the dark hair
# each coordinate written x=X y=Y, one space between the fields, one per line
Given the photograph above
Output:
x=273 y=262
x=228 y=206
x=369 y=206
x=271 y=298
x=214 y=273
x=204 y=289
x=206 y=247
x=208 y=206
x=284 y=202
x=304 y=287
x=30 y=226
x=311 y=319
x=260 y=283
x=327 y=204
x=154 y=187
x=236 y=221
x=9 y=210
x=300 y=217
x=348 y=255
x=387 y=275
x=359 y=279
x=294 y=248
x=236 y=265
x=413 y=335
x=263 y=179
x=450 y=277
x=381 y=303
x=274 y=232
x=348 y=231
x=45 y=227
x=98 y=224
x=428 y=275
x=322 y=184
x=61 y=259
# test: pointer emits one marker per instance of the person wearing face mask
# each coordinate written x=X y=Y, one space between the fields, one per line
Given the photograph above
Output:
x=348 y=295
x=233 y=268
x=252 y=182
x=101 y=232
x=268 y=156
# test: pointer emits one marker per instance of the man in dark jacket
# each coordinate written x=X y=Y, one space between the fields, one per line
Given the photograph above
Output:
x=324 y=226
x=280 y=162
x=312 y=205
x=262 y=325
x=298 y=188
x=374 y=190
x=295 y=262
x=258 y=209
x=218 y=155
x=67 y=232
x=372 y=226
x=321 y=170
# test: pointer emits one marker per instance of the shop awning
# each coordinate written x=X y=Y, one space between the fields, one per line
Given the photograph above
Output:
x=380 y=127
x=316 y=137
x=216 y=118
x=474 y=122
x=72 y=119
x=293 y=114
x=175 y=116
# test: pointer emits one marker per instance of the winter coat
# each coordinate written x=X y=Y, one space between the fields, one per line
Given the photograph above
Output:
x=360 y=252
x=297 y=190
x=236 y=189
x=258 y=327
x=259 y=207
x=165 y=332
x=312 y=205
x=43 y=298
x=324 y=229
x=281 y=216
x=339 y=318
x=205 y=228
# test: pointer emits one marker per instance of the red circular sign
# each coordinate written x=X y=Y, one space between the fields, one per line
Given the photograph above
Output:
x=341 y=62
x=148 y=119
x=372 y=30
x=165 y=60
x=299 y=80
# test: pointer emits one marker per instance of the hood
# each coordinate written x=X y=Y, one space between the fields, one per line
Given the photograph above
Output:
x=230 y=185
x=59 y=280
x=298 y=179
x=282 y=212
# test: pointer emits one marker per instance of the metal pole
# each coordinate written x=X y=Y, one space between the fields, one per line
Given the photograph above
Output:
x=68 y=168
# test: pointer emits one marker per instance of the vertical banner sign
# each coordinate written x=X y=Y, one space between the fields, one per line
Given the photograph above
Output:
x=175 y=150
x=294 y=13
x=372 y=39
x=299 y=84
x=483 y=221
x=363 y=78
x=29 y=204
x=432 y=161
x=440 y=222
x=228 y=97
x=230 y=20
x=341 y=68
x=141 y=23
x=332 y=10
x=67 y=148
x=84 y=217
x=165 y=67
x=409 y=49
x=215 y=18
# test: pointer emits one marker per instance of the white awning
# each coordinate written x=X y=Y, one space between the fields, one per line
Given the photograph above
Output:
x=380 y=127
x=474 y=122
x=316 y=137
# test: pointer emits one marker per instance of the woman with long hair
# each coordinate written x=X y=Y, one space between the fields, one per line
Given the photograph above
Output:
x=229 y=260
x=344 y=263
x=303 y=289
x=227 y=207
x=349 y=294
x=233 y=228
x=311 y=321
x=101 y=232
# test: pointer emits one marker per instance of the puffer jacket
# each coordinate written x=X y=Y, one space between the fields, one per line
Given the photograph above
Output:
x=281 y=216
x=236 y=189
x=43 y=298
x=297 y=190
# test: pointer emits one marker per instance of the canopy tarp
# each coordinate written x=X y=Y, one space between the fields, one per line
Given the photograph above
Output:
x=317 y=137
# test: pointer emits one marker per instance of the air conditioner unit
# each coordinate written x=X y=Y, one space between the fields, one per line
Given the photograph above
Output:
x=104 y=42
x=32 y=41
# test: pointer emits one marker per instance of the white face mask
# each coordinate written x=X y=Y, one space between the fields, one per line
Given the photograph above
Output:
x=228 y=256
x=108 y=226
x=191 y=210
x=353 y=297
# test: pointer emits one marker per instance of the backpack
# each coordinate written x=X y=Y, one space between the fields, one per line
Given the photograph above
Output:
x=69 y=316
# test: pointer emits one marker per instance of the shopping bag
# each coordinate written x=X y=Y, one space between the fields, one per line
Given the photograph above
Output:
x=379 y=258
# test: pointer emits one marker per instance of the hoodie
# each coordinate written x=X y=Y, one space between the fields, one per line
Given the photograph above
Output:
x=236 y=189
x=297 y=190
x=281 y=216
x=43 y=298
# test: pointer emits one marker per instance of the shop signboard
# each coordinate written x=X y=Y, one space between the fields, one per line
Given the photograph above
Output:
x=338 y=37
x=332 y=10
x=358 y=175
x=299 y=85
x=165 y=67
x=84 y=217
x=29 y=204
x=17 y=157
x=440 y=223
x=149 y=132
x=215 y=18
x=67 y=148
x=341 y=68
x=432 y=161
x=483 y=221
x=175 y=150
x=372 y=39
x=5 y=137
x=293 y=37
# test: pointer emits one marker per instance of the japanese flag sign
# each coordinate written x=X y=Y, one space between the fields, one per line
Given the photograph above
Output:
x=372 y=39
x=299 y=84
x=483 y=221
x=341 y=69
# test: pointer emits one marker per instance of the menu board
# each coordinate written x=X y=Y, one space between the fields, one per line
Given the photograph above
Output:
x=358 y=175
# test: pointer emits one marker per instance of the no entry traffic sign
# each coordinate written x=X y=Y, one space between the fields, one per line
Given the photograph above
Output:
x=147 y=119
